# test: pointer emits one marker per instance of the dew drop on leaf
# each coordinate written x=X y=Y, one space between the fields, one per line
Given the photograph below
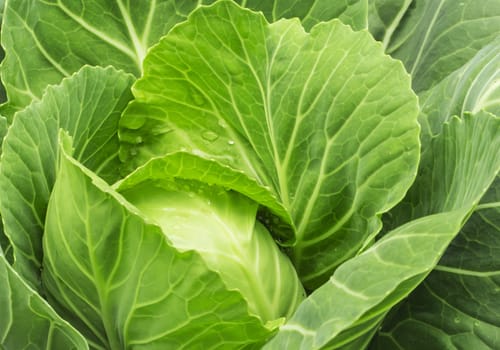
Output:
x=222 y=124
x=210 y=136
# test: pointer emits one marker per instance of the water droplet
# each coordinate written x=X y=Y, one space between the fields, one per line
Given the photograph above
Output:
x=456 y=320
x=230 y=142
x=222 y=124
x=161 y=129
x=210 y=136
x=138 y=139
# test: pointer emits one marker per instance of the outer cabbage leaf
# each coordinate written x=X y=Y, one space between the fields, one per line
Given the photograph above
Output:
x=4 y=241
x=384 y=17
x=436 y=37
x=4 y=126
x=88 y=106
x=3 y=95
x=45 y=41
x=457 y=307
x=472 y=88
x=27 y=321
x=297 y=112
x=456 y=170
x=311 y=12
x=118 y=33
x=345 y=311
x=120 y=282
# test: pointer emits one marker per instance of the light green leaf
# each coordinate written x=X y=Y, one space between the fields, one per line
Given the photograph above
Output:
x=472 y=88
x=312 y=12
x=196 y=167
x=123 y=285
x=221 y=225
x=27 y=321
x=456 y=170
x=88 y=106
x=296 y=112
x=347 y=308
x=4 y=126
x=436 y=37
x=457 y=307
x=45 y=41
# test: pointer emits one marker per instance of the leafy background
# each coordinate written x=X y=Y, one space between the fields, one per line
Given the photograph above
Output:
x=451 y=50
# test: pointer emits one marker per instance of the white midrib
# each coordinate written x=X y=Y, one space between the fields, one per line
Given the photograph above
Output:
x=395 y=24
x=465 y=272
x=101 y=35
x=140 y=46
x=426 y=38
x=486 y=99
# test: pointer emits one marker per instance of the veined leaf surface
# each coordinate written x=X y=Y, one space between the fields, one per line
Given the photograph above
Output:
x=325 y=120
x=311 y=12
x=88 y=106
x=27 y=321
x=384 y=18
x=472 y=88
x=457 y=306
x=352 y=303
x=46 y=41
x=436 y=37
x=456 y=170
x=123 y=285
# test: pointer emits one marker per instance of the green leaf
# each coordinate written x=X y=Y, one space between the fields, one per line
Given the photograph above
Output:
x=5 y=245
x=221 y=225
x=4 y=126
x=312 y=12
x=27 y=321
x=45 y=41
x=436 y=37
x=472 y=88
x=123 y=285
x=457 y=307
x=88 y=106
x=3 y=96
x=197 y=167
x=384 y=18
x=362 y=290
x=296 y=112
x=456 y=170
